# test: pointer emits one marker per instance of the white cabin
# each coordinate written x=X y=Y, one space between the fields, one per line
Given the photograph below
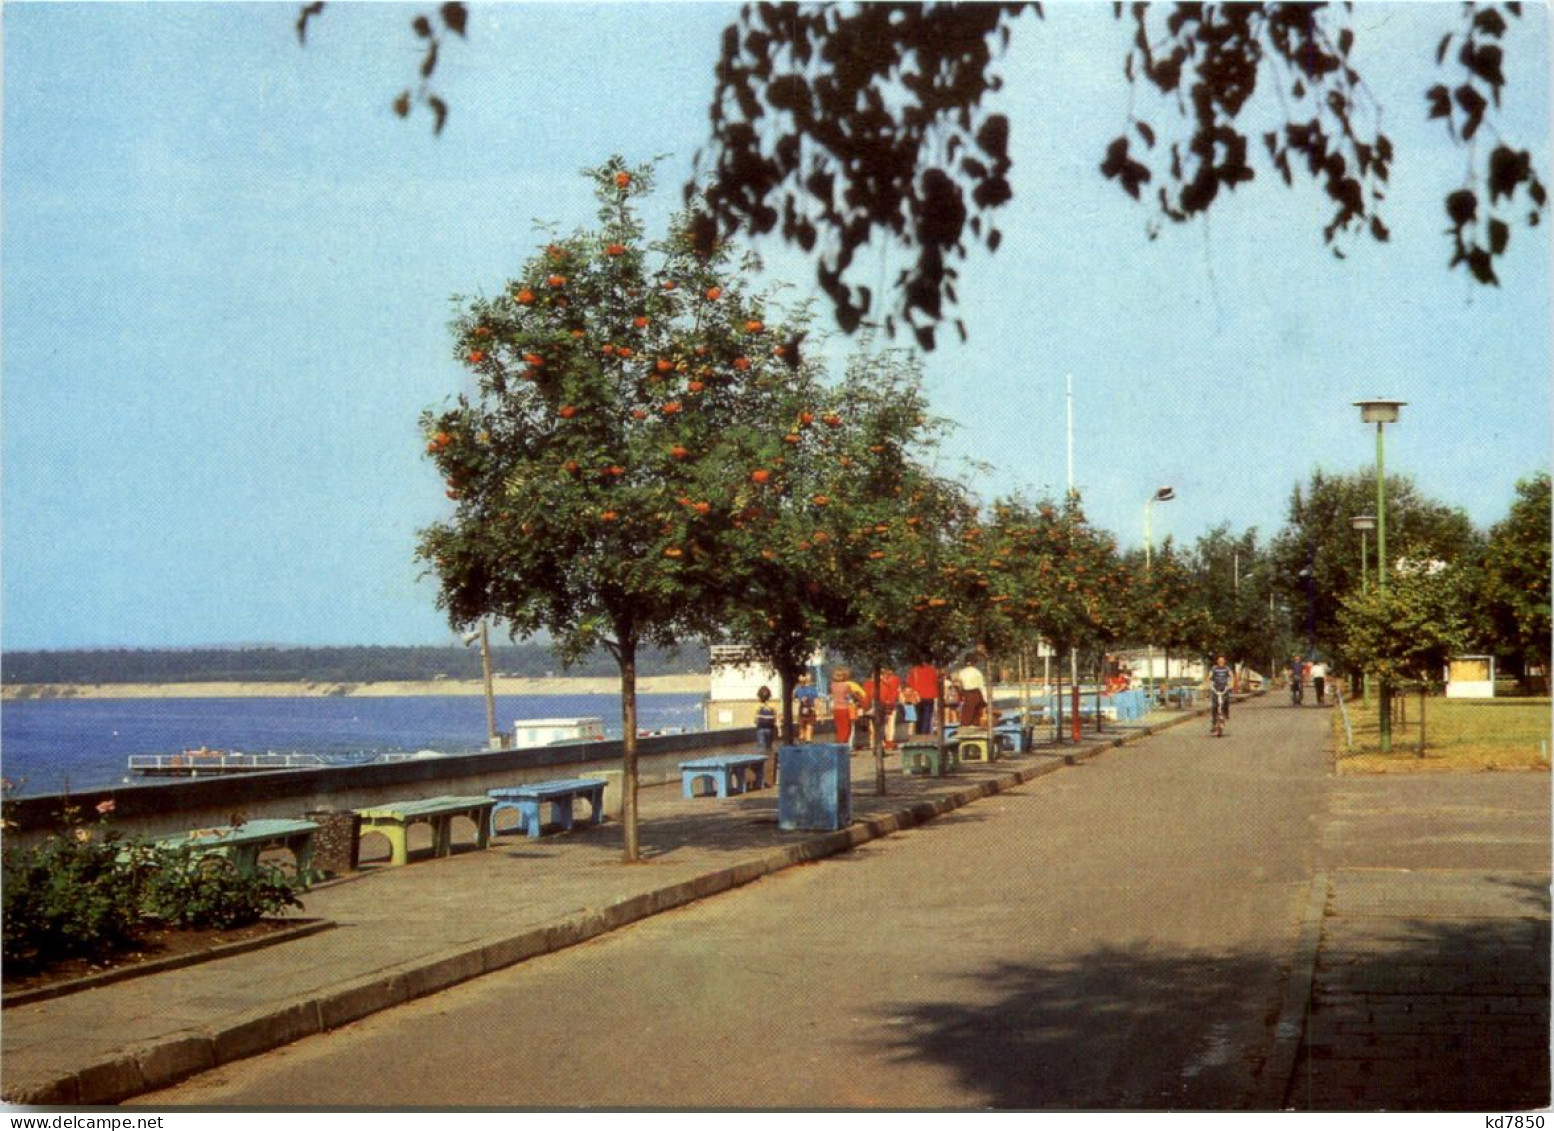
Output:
x=557 y=732
x=736 y=676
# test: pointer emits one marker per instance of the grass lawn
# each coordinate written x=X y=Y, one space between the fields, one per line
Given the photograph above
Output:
x=1460 y=734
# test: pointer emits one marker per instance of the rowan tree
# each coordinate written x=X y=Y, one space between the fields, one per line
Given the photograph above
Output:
x=1049 y=576
x=1167 y=610
x=625 y=393
x=865 y=538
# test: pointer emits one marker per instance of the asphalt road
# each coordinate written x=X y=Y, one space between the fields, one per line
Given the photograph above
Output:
x=1116 y=935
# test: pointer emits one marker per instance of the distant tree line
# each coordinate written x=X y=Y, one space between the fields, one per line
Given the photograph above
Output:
x=360 y=664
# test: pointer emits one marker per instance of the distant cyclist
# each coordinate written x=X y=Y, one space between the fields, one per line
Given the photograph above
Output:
x=1297 y=679
x=1221 y=679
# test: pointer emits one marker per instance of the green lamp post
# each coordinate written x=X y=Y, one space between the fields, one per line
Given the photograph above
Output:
x=1381 y=413
x=1365 y=523
x=1162 y=495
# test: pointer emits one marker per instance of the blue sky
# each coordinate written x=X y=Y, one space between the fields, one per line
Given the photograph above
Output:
x=228 y=270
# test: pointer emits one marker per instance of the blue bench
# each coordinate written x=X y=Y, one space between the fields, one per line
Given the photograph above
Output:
x=525 y=800
x=1010 y=738
x=726 y=773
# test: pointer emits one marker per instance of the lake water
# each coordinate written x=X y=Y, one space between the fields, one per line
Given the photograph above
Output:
x=48 y=746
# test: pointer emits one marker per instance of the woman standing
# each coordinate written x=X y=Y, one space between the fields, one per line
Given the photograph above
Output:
x=846 y=699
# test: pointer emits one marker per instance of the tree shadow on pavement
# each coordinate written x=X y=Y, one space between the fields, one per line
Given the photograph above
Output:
x=1109 y=1029
x=1159 y=1028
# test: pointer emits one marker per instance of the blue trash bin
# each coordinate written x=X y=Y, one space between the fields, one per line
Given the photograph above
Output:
x=814 y=787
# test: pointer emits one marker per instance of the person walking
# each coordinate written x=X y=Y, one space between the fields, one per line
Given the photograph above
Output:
x=807 y=696
x=847 y=701
x=888 y=692
x=766 y=730
x=973 y=694
x=924 y=679
x=1319 y=680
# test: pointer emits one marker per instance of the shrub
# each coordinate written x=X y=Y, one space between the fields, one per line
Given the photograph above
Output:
x=194 y=890
x=69 y=897
x=87 y=892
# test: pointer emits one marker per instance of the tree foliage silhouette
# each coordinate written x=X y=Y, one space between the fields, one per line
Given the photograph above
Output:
x=841 y=127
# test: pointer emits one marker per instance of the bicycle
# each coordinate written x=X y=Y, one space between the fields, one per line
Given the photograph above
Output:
x=1220 y=710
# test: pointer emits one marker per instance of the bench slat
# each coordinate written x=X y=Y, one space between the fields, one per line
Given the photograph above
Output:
x=425 y=807
x=722 y=761
x=549 y=788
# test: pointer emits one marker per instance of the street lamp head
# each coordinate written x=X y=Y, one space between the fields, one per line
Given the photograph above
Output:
x=1165 y=494
x=1363 y=522
x=1379 y=411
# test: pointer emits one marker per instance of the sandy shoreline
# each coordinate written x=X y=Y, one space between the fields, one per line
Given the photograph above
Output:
x=559 y=685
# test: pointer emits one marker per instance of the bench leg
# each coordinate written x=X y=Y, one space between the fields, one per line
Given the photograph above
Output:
x=302 y=852
x=530 y=815
x=482 y=830
x=442 y=835
x=596 y=807
x=399 y=854
x=561 y=813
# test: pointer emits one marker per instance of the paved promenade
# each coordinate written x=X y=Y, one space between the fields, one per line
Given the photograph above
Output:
x=1429 y=986
x=1417 y=973
x=403 y=933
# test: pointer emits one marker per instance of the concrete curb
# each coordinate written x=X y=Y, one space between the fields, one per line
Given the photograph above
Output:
x=1289 y=1031
x=159 y=1064
x=302 y=929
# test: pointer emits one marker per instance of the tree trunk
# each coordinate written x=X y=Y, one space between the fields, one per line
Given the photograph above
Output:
x=627 y=658
x=789 y=680
x=1073 y=667
x=1421 y=720
x=1057 y=705
x=877 y=737
x=1100 y=686
x=938 y=716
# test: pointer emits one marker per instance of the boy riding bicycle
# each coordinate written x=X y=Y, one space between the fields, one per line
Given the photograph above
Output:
x=1221 y=679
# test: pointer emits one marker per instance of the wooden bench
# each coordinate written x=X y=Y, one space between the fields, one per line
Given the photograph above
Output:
x=394 y=820
x=1010 y=738
x=560 y=794
x=974 y=745
x=726 y=772
x=242 y=844
x=923 y=758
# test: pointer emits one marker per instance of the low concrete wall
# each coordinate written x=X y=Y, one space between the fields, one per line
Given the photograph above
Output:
x=177 y=806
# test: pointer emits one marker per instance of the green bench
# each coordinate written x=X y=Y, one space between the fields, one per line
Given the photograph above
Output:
x=923 y=758
x=242 y=844
x=394 y=820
